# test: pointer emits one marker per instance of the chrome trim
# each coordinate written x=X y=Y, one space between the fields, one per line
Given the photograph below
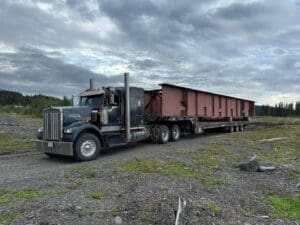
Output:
x=59 y=148
x=53 y=124
x=117 y=128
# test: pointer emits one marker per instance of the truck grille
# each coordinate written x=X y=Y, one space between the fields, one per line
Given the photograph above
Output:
x=52 y=124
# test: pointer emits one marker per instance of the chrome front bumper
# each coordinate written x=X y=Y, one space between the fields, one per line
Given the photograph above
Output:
x=55 y=147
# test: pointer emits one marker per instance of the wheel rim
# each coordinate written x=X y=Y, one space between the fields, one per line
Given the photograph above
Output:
x=175 y=133
x=88 y=148
x=164 y=134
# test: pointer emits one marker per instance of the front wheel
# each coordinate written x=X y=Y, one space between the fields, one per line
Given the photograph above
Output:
x=87 y=147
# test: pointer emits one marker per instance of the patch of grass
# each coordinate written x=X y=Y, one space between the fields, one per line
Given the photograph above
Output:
x=7 y=218
x=210 y=181
x=213 y=207
x=7 y=196
x=284 y=207
x=178 y=169
x=77 y=174
x=10 y=144
x=294 y=175
x=163 y=187
x=98 y=195
x=272 y=120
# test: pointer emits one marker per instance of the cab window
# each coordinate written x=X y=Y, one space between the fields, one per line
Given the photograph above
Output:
x=93 y=101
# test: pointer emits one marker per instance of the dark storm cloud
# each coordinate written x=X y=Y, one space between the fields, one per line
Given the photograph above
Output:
x=38 y=73
x=26 y=25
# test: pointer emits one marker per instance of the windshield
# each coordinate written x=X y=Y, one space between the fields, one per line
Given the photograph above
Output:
x=93 y=101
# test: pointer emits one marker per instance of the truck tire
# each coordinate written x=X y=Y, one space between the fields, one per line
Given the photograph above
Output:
x=174 y=133
x=164 y=134
x=87 y=147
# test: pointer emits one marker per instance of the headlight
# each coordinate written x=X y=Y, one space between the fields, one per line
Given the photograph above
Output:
x=41 y=130
x=68 y=130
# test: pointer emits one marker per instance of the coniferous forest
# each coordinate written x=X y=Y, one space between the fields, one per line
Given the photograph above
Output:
x=31 y=105
x=280 y=109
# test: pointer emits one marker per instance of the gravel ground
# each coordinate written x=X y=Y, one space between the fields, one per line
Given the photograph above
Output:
x=19 y=125
x=138 y=198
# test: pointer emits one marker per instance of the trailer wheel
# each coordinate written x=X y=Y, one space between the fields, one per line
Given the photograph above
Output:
x=87 y=147
x=231 y=129
x=174 y=133
x=164 y=134
x=241 y=128
x=236 y=128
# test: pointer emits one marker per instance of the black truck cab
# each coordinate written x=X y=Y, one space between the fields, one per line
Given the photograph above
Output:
x=96 y=120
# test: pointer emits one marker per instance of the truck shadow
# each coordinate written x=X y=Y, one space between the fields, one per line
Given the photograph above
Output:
x=143 y=146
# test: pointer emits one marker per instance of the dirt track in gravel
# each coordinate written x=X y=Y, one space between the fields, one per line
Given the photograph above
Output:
x=139 y=198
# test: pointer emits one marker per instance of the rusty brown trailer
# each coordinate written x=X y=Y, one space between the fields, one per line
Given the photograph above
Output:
x=176 y=101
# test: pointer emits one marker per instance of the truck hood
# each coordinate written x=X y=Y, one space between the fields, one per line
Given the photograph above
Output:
x=75 y=113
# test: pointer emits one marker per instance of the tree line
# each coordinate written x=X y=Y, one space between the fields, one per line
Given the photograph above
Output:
x=280 y=109
x=32 y=105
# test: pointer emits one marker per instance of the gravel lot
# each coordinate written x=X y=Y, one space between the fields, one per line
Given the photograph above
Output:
x=63 y=189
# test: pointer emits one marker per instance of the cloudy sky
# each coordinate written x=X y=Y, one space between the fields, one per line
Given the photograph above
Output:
x=245 y=48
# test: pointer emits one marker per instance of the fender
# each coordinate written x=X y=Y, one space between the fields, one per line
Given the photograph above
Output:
x=80 y=127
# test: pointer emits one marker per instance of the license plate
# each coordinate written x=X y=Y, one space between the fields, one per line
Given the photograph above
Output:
x=50 y=144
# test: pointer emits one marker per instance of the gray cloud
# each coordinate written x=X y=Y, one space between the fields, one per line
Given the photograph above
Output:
x=37 y=73
x=250 y=48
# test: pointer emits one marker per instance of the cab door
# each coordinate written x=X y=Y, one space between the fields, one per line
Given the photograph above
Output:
x=114 y=111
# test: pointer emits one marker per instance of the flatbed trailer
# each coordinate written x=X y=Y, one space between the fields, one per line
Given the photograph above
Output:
x=121 y=115
x=195 y=111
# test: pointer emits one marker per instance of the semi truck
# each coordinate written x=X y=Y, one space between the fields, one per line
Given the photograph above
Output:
x=111 y=116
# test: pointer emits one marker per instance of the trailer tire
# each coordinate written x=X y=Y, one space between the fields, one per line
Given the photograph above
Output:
x=241 y=128
x=174 y=133
x=164 y=134
x=87 y=147
x=236 y=128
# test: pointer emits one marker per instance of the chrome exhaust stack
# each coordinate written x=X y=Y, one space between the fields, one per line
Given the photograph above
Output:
x=127 y=107
x=91 y=84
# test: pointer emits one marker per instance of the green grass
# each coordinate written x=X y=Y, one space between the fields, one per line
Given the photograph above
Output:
x=84 y=170
x=213 y=207
x=294 y=175
x=10 y=144
x=284 y=207
x=7 y=218
x=98 y=195
x=7 y=196
x=79 y=173
x=178 y=169
x=272 y=120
